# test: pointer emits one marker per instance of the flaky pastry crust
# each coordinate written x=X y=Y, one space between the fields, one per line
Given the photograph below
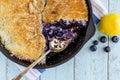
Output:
x=65 y=9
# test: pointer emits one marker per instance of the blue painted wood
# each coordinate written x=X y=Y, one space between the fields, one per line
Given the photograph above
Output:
x=62 y=72
x=50 y=74
x=65 y=71
x=12 y=70
x=114 y=55
x=92 y=65
x=3 y=65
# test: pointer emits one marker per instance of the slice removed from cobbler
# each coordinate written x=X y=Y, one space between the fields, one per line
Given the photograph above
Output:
x=20 y=28
x=64 y=19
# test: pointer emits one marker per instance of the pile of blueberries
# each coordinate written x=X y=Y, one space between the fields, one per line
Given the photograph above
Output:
x=103 y=39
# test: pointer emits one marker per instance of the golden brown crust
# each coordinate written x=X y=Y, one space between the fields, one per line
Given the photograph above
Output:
x=65 y=9
x=21 y=32
x=15 y=7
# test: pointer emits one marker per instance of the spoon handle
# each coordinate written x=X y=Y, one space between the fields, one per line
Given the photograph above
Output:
x=19 y=76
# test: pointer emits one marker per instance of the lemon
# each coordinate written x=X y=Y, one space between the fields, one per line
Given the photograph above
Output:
x=110 y=24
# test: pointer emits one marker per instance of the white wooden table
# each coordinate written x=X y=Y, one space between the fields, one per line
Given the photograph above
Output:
x=86 y=65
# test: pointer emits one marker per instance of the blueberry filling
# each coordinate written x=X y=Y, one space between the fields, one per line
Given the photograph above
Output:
x=62 y=30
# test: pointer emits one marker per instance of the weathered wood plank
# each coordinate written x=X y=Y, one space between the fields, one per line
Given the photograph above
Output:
x=3 y=71
x=12 y=70
x=114 y=56
x=92 y=65
x=62 y=72
x=65 y=71
x=49 y=74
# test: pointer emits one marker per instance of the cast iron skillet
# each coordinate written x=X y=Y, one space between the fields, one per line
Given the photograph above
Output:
x=72 y=49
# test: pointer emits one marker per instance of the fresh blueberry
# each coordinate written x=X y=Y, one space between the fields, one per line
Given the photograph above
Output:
x=93 y=48
x=115 y=39
x=107 y=49
x=95 y=42
x=103 y=39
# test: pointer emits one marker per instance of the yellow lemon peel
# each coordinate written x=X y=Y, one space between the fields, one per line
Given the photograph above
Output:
x=110 y=24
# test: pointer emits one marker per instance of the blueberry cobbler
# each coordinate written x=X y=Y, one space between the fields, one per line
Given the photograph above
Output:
x=28 y=28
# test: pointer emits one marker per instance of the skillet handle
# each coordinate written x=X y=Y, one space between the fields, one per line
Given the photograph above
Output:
x=90 y=30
